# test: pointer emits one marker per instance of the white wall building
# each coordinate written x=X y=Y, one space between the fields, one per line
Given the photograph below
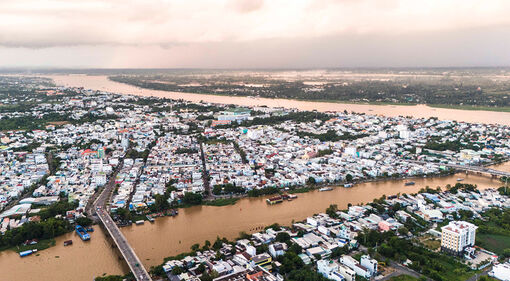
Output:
x=456 y=236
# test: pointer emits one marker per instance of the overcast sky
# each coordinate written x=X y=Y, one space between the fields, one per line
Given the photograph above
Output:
x=254 y=33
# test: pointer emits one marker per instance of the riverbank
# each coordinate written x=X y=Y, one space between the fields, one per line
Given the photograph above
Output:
x=39 y=246
x=173 y=235
x=379 y=207
x=446 y=106
x=471 y=107
x=226 y=200
x=101 y=83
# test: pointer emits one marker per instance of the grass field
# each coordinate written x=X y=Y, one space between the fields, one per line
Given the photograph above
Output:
x=221 y=202
x=432 y=244
x=403 y=278
x=493 y=242
x=41 y=245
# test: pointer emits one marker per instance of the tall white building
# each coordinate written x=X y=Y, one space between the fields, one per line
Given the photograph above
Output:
x=456 y=236
x=370 y=264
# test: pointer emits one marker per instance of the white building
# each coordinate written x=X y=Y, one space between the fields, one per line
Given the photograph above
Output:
x=501 y=272
x=370 y=264
x=456 y=236
x=355 y=266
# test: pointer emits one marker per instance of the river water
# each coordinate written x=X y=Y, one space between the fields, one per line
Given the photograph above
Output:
x=419 y=111
x=172 y=235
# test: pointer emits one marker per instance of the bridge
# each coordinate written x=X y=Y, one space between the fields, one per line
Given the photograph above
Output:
x=102 y=212
x=122 y=244
x=476 y=169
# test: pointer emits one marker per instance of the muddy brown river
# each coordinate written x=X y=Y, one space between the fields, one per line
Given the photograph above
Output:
x=172 y=235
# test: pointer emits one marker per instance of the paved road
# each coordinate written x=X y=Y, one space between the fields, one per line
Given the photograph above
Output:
x=125 y=249
x=401 y=270
x=101 y=210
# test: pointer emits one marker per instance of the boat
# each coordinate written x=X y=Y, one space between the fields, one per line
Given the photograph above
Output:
x=292 y=197
x=27 y=253
x=139 y=222
x=325 y=189
x=90 y=229
x=149 y=218
x=460 y=179
x=409 y=183
x=348 y=185
x=274 y=200
x=68 y=242
x=82 y=233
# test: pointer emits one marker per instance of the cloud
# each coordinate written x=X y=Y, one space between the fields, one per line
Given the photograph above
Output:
x=169 y=23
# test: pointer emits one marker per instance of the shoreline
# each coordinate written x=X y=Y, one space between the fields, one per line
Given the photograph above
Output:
x=234 y=199
x=505 y=109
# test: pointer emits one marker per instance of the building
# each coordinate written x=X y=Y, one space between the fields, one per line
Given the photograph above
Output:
x=501 y=272
x=370 y=264
x=263 y=260
x=355 y=266
x=456 y=236
x=347 y=272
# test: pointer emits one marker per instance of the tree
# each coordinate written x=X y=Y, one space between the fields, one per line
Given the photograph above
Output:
x=84 y=221
x=123 y=214
x=282 y=237
x=161 y=203
x=176 y=270
x=331 y=210
x=195 y=247
x=403 y=230
x=311 y=181
x=192 y=198
x=348 y=177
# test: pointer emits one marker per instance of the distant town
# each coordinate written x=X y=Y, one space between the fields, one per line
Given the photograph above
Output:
x=74 y=159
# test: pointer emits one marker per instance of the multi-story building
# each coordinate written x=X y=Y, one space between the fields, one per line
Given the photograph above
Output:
x=370 y=264
x=456 y=236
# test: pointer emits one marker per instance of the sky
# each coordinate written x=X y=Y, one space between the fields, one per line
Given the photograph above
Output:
x=254 y=33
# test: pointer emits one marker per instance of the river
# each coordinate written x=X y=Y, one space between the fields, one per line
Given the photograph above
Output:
x=418 y=111
x=172 y=235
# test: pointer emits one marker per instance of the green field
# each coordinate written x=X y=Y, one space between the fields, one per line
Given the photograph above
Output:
x=493 y=242
x=221 y=202
x=41 y=245
x=403 y=278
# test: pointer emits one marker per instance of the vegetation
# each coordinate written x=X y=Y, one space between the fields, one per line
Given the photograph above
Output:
x=47 y=229
x=263 y=191
x=191 y=198
x=222 y=202
x=466 y=89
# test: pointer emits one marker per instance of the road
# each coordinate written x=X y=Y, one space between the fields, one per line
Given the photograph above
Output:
x=102 y=211
x=401 y=270
x=125 y=249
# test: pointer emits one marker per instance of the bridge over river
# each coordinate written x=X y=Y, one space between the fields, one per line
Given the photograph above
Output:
x=476 y=169
x=102 y=212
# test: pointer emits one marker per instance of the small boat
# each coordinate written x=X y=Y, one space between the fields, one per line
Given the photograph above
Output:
x=68 y=242
x=325 y=189
x=82 y=233
x=348 y=185
x=90 y=229
x=27 y=253
x=149 y=218
x=407 y=183
x=274 y=200
x=292 y=197
x=139 y=222
x=460 y=179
